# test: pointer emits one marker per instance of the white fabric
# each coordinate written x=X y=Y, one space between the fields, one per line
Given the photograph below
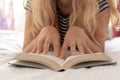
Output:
x=11 y=43
x=96 y=73
x=112 y=45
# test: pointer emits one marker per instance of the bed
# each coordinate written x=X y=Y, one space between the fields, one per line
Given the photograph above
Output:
x=11 y=44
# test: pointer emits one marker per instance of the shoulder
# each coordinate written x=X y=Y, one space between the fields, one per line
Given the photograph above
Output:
x=102 y=2
x=28 y=6
x=28 y=2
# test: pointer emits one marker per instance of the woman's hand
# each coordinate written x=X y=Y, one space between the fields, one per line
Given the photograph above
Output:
x=75 y=37
x=48 y=36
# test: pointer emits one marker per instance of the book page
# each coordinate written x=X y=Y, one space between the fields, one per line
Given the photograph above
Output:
x=27 y=64
x=72 y=60
x=48 y=60
x=52 y=57
x=56 y=59
x=93 y=64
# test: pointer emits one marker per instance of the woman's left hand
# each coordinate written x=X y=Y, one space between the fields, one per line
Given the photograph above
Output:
x=75 y=37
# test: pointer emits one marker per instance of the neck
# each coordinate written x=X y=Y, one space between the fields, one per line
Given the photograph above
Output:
x=65 y=3
x=65 y=6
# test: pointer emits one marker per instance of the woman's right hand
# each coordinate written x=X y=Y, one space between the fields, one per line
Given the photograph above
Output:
x=49 y=36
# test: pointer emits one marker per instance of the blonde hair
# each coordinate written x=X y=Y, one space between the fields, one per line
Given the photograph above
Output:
x=44 y=14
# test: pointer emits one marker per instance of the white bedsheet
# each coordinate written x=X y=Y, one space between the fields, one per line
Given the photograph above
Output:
x=95 y=73
x=11 y=43
x=112 y=45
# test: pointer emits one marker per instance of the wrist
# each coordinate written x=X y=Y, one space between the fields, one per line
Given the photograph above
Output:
x=77 y=28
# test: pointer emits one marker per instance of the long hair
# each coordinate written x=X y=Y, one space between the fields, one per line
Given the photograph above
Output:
x=83 y=14
x=44 y=14
x=114 y=14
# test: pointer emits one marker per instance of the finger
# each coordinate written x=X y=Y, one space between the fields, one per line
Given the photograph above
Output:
x=73 y=49
x=46 y=46
x=40 y=47
x=87 y=49
x=34 y=49
x=56 y=46
x=63 y=50
x=80 y=48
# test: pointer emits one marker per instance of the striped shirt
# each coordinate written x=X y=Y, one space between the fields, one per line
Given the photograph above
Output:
x=28 y=6
x=63 y=20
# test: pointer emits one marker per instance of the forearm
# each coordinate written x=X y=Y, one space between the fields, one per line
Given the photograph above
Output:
x=94 y=45
x=101 y=32
x=30 y=46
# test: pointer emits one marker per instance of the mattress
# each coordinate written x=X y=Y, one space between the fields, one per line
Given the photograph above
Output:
x=11 y=44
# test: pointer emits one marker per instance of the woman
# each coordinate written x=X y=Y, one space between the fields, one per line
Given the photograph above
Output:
x=63 y=24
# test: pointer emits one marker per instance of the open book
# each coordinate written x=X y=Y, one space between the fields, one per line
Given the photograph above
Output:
x=56 y=64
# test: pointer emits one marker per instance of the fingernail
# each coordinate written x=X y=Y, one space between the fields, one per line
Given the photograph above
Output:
x=74 y=54
x=56 y=55
x=61 y=57
x=81 y=52
x=43 y=53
